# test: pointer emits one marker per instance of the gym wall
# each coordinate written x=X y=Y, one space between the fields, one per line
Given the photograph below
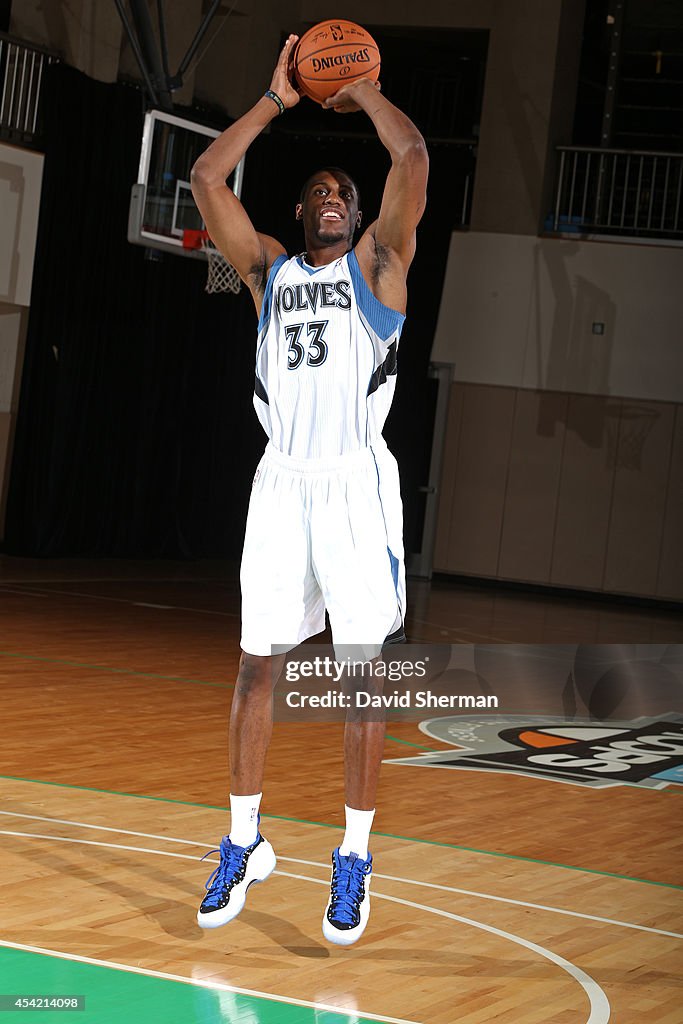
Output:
x=563 y=460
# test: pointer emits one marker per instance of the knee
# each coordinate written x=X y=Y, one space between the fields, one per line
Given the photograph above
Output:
x=255 y=674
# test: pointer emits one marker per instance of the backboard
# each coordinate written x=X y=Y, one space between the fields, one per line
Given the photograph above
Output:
x=161 y=202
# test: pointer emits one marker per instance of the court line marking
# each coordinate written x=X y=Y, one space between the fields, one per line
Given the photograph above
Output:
x=445 y=631
x=25 y=593
x=599 y=1004
x=598 y=1001
x=21 y=656
x=126 y=600
x=449 y=631
x=317 y=864
x=35 y=592
x=234 y=615
x=506 y=899
x=214 y=986
x=222 y=580
x=420 y=746
x=383 y=835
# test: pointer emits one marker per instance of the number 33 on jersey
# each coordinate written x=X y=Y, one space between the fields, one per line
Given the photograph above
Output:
x=325 y=358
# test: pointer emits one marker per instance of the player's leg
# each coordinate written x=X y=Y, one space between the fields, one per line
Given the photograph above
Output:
x=348 y=908
x=251 y=725
x=246 y=857
x=359 y=574
x=281 y=605
x=364 y=589
x=363 y=751
x=364 y=732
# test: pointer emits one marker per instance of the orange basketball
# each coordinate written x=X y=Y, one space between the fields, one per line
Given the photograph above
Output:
x=331 y=54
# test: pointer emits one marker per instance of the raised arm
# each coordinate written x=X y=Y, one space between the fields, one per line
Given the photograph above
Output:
x=227 y=222
x=404 y=197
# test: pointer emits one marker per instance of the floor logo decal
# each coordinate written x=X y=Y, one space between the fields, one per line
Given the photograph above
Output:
x=646 y=753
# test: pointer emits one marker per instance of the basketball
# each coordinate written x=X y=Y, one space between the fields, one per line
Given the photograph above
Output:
x=331 y=54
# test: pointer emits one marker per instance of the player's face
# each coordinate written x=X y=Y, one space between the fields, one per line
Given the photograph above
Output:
x=329 y=211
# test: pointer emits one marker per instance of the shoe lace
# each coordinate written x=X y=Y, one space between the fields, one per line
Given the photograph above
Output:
x=347 y=888
x=229 y=872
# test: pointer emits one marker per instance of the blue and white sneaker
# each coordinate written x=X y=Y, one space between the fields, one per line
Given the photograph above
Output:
x=226 y=887
x=348 y=909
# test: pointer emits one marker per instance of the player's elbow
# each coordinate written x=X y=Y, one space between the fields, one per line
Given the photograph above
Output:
x=418 y=151
x=205 y=175
x=201 y=177
x=414 y=155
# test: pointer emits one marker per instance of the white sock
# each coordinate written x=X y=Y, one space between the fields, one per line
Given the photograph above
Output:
x=244 y=818
x=358 y=825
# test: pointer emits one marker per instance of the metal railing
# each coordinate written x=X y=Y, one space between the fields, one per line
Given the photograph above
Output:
x=21 y=73
x=618 y=192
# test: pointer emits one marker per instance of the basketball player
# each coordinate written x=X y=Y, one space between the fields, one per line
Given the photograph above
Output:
x=324 y=525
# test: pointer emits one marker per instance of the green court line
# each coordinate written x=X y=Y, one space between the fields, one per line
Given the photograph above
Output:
x=110 y=992
x=384 y=835
x=488 y=853
x=407 y=743
x=116 y=671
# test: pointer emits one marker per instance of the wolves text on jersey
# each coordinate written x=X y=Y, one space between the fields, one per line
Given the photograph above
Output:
x=313 y=294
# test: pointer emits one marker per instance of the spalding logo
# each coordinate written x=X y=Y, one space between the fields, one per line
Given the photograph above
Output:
x=340 y=59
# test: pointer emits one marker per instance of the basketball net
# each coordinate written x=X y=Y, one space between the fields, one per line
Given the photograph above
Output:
x=221 y=276
x=627 y=430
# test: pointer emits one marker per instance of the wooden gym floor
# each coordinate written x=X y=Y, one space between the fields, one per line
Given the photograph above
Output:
x=495 y=896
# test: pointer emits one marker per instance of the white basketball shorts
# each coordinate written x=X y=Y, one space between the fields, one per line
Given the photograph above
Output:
x=323 y=533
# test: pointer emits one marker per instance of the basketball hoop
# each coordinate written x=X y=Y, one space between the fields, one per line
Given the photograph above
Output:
x=222 y=276
x=627 y=429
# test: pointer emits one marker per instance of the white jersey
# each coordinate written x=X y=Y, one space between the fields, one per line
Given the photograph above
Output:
x=325 y=359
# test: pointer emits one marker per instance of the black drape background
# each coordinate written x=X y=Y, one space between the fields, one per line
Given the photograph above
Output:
x=135 y=433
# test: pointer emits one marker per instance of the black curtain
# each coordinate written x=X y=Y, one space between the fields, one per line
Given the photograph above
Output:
x=136 y=434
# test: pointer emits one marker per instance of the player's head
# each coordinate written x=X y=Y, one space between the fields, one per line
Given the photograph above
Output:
x=329 y=206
